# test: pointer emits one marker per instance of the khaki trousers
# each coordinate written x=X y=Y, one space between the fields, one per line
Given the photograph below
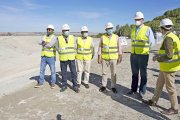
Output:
x=105 y=65
x=169 y=80
x=83 y=66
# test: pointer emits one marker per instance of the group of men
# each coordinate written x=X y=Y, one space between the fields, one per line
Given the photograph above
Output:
x=67 y=48
x=81 y=52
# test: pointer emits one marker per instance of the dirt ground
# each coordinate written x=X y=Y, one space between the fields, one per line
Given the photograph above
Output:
x=19 y=100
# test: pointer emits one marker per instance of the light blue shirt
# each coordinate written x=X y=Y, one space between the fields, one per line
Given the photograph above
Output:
x=149 y=34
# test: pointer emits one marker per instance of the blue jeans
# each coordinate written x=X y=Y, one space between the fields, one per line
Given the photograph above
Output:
x=139 y=63
x=72 y=67
x=51 y=62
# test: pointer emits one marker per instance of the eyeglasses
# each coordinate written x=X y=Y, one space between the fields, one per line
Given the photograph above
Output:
x=138 y=19
x=48 y=29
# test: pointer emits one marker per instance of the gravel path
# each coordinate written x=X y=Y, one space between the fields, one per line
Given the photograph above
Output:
x=28 y=103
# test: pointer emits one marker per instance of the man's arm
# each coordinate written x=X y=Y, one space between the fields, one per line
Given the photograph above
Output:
x=100 y=47
x=92 y=49
x=119 y=51
x=119 y=46
x=150 y=35
x=168 y=46
x=75 y=43
x=100 y=52
x=52 y=43
x=57 y=45
x=41 y=42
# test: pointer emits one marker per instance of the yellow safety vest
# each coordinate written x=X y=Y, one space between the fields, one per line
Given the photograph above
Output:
x=84 y=51
x=140 y=42
x=109 y=47
x=173 y=64
x=66 y=50
x=48 y=52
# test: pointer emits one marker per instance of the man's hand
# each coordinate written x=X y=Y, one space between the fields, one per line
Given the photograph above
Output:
x=119 y=59
x=92 y=56
x=43 y=43
x=99 y=59
x=155 y=58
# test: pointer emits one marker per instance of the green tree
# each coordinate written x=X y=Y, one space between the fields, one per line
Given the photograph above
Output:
x=174 y=15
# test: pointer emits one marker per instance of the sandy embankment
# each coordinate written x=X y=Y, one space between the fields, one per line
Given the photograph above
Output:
x=20 y=56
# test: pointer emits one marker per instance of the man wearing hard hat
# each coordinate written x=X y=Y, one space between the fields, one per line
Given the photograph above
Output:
x=142 y=39
x=67 y=52
x=109 y=55
x=85 y=53
x=48 y=56
x=169 y=60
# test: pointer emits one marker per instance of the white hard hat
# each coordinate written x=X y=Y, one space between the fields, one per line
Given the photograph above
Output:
x=109 y=25
x=166 y=22
x=50 y=26
x=84 y=28
x=138 y=15
x=65 y=27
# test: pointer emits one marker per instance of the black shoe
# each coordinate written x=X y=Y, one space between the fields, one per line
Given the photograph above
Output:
x=102 y=89
x=131 y=92
x=76 y=89
x=86 y=85
x=114 y=90
x=149 y=102
x=63 y=88
x=78 y=85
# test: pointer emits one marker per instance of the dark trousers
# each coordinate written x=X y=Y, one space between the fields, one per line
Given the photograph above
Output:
x=139 y=63
x=72 y=68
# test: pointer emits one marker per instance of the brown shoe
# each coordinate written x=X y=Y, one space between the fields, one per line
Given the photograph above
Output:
x=52 y=86
x=38 y=85
x=169 y=111
x=149 y=102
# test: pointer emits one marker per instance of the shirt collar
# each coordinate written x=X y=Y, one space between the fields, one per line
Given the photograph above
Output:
x=166 y=33
x=109 y=36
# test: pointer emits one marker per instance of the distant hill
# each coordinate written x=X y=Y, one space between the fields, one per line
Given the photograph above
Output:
x=39 y=33
x=174 y=15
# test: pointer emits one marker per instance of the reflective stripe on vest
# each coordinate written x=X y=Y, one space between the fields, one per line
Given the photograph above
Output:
x=109 y=47
x=173 y=64
x=140 y=42
x=84 y=51
x=48 y=52
x=66 y=51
